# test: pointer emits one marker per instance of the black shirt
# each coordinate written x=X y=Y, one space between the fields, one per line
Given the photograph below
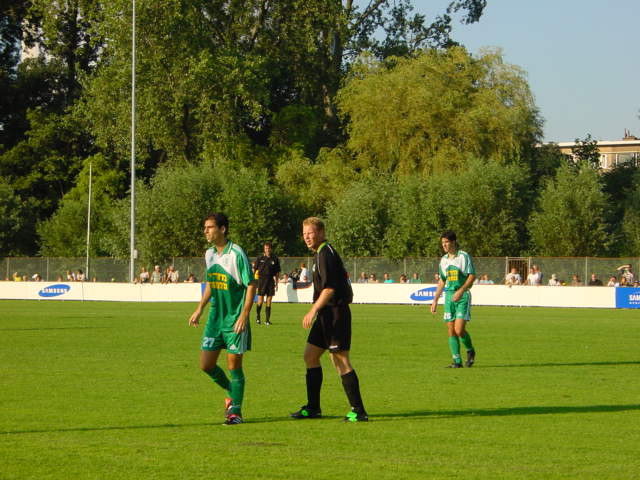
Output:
x=329 y=272
x=267 y=267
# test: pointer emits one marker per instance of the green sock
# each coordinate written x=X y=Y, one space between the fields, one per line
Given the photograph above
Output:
x=237 y=390
x=218 y=376
x=466 y=341
x=454 y=346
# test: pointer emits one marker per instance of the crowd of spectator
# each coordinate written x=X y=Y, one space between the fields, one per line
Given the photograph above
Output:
x=301 y=277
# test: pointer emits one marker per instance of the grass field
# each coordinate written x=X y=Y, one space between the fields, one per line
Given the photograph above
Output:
x=112 y=391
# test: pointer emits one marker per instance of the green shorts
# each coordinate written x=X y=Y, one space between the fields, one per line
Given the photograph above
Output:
x=215 y=338
x=460 y=309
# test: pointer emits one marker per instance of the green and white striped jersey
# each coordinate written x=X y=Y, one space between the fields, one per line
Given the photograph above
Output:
x=454 y=271
x=228 y=275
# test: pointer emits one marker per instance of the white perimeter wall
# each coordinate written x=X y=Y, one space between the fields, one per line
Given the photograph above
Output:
x=591 y=297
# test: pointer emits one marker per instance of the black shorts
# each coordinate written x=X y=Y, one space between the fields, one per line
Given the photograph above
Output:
x=332 y=329
x=266 y=287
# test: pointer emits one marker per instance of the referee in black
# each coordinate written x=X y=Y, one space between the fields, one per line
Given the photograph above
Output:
x=330 y=321
x=267 y=270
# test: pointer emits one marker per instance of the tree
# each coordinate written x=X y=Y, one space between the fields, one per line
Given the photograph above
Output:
x=358 y=218
x=631 y=220
x=14 y=219
x=569 y=220
x=432 y=112
x=483 y=204
x=586 y=151
x=170 y=212
x=63 y=233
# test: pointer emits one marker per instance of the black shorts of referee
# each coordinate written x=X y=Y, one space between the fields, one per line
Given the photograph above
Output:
x=266 y=287
x=332 y=329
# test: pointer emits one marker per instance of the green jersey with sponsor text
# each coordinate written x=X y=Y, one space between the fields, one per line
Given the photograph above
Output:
x=454 y=271
x=228 y=275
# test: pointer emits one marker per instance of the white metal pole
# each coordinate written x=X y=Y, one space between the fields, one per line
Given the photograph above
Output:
x=86 y=270
x=133 y=144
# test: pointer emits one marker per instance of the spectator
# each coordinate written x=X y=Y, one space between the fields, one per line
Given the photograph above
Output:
x=373 y=278
x=362 y=278
x=628 y=274
x=16 y=277
x=191 y=278
x=436 y=278
x=94 y=279
x=553 y=281
x=156 y=275
x=304 y=274
x=484 y=280
x=71 y=277
x=595 y=281
x=415 y=278
x=403 y=278
x=59 y=278
x=144 y=276
x=613 y=282
x=173 y=276
x=575 y=281
x=513 y=278
x=36 y=277
x=535 y=276
x=623 y=282
x=80 y=276
x=386 y=278
x=284 y=278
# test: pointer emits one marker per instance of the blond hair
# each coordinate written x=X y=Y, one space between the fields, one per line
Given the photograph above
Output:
x=315 y=222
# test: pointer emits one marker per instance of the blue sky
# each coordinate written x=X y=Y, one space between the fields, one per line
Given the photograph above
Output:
x=581 y=59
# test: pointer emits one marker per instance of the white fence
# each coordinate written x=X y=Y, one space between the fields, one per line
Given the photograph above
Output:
x=499 y=295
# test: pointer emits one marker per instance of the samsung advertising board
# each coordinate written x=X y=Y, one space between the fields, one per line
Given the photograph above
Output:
x=423 y=295
x=627 y=297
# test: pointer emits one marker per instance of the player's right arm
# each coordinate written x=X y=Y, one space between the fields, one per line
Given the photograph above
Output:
x=436 y=296
x=206 y=296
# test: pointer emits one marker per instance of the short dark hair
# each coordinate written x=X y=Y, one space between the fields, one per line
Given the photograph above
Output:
x=267 y=244
x=220 y=219
x=449 y=235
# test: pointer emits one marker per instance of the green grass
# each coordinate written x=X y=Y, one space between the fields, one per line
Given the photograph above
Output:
x=113 y=391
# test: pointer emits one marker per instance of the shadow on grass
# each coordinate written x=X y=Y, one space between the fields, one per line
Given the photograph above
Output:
x=508 y=411
x=145 y=427
x=46 y=328
x=574 y=364
x=382 y=417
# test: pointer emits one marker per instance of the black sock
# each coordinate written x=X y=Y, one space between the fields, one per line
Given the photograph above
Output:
x=314 y=383
x=258 y=308
x=268 y=309
x=352 y=389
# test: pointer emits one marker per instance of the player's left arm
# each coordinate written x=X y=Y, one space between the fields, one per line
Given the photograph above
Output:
x=241 y=323
x=465 y=286
x=247 y=279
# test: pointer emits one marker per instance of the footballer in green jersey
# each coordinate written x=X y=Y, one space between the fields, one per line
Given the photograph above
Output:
x=456 y=275
x=230 y=289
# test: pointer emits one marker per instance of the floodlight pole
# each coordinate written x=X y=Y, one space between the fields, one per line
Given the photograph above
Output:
x=133 y=146
x=86 y=269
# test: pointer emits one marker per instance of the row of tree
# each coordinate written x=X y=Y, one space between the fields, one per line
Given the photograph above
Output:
x=373 y=118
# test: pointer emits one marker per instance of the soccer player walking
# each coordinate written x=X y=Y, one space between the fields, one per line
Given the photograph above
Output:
x=230 y=288
x=456 y=274
x=330 y=322
x=267 y=270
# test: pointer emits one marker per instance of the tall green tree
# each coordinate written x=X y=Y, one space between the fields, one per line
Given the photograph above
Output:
x=570 y=217
x=430 y=113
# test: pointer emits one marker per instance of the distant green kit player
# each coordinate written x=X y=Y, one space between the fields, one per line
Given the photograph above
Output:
x=230 y=288
x=456 y=274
